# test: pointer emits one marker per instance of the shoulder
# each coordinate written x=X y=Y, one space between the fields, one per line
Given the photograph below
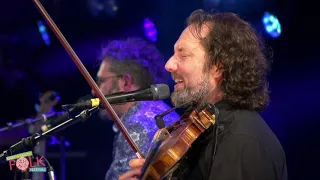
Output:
x=247 y=149
x=250 y=124
x=248 y=131
x=240 y=142
x=155 y=107
x=152 y=108
x=143 y=120
x=247 y=155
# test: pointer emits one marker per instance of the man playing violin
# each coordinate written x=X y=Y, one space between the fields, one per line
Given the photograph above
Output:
x=219 y=59
x=129 y=65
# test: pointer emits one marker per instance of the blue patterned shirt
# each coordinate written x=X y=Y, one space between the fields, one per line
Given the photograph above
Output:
x=141 y=126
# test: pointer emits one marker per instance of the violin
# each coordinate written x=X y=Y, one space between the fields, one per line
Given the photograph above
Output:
x=170 y=144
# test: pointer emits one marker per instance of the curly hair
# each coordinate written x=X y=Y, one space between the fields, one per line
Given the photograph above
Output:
x=137 y=57
x=234 y=47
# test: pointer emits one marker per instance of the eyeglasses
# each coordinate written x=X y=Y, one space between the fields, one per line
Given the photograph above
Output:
x=100 y=80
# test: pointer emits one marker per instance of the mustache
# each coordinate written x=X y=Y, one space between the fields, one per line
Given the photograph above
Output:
x=175 y=76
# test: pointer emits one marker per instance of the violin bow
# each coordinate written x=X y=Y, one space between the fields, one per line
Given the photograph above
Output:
x=87 y=76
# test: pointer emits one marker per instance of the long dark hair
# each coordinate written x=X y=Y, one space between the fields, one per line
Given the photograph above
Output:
x=233 y=45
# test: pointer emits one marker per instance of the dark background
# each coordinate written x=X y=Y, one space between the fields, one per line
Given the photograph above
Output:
x=29 y=67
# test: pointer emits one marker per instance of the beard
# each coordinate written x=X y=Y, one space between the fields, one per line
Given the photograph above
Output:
x=197 y=93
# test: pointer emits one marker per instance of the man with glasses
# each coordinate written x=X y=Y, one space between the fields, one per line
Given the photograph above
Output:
x=129 y=65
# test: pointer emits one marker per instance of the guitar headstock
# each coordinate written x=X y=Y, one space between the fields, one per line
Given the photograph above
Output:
x=47 y=101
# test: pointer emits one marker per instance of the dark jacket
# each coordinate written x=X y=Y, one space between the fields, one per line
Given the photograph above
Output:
x=246 y=149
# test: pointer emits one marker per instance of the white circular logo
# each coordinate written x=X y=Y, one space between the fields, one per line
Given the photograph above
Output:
x=22 y=164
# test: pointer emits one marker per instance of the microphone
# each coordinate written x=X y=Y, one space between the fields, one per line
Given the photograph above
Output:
x=155 y=92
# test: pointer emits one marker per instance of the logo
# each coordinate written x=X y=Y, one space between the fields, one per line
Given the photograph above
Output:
x=23 y=162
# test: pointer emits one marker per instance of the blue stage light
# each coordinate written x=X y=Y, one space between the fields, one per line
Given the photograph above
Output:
x=271 y=25
x=150 y=30
x=44 y=34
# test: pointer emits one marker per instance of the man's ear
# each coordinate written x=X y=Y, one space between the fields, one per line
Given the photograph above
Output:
x=127 y=82
x=216 y=72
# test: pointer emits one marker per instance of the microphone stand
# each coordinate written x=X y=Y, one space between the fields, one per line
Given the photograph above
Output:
x=63 y=158
x=29 y=121
x=30 y=142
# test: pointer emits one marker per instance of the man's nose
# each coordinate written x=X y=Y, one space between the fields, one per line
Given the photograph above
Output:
x=171 y=65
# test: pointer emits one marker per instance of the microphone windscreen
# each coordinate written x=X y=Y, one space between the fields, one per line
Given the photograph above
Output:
x=160 y=91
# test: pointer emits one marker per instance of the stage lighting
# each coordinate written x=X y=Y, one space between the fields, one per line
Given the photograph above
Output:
x=43 y=31
x=271 y=25
x=109 y=7
x=150 y=30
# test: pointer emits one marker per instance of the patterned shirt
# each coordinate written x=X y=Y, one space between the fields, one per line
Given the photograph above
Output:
x=141 y=126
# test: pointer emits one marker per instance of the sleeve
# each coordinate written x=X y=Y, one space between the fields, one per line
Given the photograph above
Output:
x=240 y=157
x=125 y=153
